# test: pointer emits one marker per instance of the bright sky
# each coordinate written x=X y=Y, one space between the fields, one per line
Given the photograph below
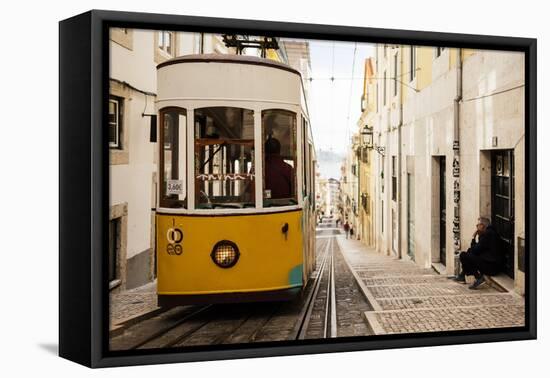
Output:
x=335 y=106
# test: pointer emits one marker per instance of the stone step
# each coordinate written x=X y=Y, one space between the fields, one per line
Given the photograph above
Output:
x=424 y=290
x=398 y=280
x=448 y=301
x=444 y=319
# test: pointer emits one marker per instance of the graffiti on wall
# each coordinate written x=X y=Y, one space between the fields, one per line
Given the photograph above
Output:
x=456 y=196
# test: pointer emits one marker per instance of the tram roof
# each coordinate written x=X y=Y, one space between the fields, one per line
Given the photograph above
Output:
x=226 y=58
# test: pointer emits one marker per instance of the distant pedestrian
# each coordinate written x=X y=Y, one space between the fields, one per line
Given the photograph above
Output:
x=346 y=229
x=351 y=231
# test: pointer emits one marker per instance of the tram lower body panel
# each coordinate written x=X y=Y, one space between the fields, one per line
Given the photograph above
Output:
x=230 y=258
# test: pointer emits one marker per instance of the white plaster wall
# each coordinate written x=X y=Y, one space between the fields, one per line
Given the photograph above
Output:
x=136 y=66
x=496 y=115
x=132 y=182
x=427 y=131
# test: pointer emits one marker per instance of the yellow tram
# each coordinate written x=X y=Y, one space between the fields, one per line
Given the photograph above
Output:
x=235 y=215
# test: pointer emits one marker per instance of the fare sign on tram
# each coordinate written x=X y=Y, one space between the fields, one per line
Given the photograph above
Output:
x=174 y=187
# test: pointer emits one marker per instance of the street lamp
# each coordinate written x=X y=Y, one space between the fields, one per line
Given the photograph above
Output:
x=368 y=140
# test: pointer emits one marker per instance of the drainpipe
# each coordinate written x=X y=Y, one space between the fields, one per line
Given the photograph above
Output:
x=399 y=152
x=456 y=163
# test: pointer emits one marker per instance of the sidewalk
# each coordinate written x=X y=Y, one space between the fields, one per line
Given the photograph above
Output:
x=131 y=303
x=407 y=298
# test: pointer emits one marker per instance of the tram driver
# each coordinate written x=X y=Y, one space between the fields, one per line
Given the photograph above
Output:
x=278 y=174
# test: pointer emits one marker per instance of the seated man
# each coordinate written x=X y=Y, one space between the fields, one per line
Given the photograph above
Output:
x=279 y=176
x=484 y=256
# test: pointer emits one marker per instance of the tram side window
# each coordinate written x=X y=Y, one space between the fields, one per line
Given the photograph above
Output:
x=311 y=190
x=279 y=152
x=224 y=158
x=304 y=158
x=173 y=139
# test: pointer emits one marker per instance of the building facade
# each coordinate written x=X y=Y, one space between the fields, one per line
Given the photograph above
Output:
x=365 y=156
x=350 y=189
x=448 y=131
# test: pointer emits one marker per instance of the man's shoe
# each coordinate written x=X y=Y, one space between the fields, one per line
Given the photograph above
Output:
x=460 y=278
x=477 y=283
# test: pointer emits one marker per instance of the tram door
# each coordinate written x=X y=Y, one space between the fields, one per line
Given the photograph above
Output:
x=502 y=202
x=442 y=211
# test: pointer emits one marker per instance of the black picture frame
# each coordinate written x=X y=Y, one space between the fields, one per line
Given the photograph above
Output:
x=84 y=180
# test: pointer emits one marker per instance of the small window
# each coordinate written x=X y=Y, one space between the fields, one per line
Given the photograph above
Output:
x=166 y=42
x=365 y=202
x=394 y=178
x=384 y=95
x=382 y=216
x=279 y=148
x=395 y=75
x=412 y=63
x=199 y=43
x=377 y=102
x=114 y=249
x=115 y=122
x=439 y=51
x=173 y=122
x=224 y=158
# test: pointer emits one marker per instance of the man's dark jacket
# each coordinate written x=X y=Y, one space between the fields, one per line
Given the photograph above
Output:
x=489 y=248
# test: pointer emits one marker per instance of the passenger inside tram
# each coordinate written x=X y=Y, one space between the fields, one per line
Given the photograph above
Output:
x=279 y=175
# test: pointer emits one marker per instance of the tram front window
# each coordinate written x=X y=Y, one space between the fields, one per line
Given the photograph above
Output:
x=224 y=158
x=279 y=143
x=173 y=122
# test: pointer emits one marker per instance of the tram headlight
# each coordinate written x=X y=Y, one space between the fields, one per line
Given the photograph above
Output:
x=225 y=254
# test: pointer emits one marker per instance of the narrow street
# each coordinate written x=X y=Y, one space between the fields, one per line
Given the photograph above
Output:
x=353 y=292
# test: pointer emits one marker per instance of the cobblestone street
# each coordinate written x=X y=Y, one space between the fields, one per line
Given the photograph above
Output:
x=131 y=303
x=406 y=298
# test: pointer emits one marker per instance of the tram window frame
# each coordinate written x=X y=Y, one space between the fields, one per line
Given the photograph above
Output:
x=305 y=177
x=311 y=191
x=293 y=147
x=247 y=185
x=165 y=200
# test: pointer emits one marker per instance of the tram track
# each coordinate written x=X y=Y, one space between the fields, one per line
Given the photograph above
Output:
x=319 y=320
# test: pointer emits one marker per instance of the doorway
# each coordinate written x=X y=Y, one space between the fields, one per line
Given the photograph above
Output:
x=442 y=211
x=502 y=203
